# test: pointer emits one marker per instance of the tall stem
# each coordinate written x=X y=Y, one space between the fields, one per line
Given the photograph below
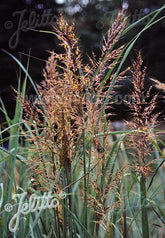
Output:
x=144 y=214
x=85 y=183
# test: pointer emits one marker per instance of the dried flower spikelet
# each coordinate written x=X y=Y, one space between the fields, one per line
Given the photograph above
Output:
x=109 y=55
x=144 y=118
x=72 y=57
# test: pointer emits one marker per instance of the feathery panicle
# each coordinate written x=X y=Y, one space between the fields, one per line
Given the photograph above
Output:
x=144 y=119
x=109 y=52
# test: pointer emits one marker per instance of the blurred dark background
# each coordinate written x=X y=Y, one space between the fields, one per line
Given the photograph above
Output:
x=92 y=17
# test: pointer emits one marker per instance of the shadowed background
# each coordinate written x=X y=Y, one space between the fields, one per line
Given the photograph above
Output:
x=93 y=18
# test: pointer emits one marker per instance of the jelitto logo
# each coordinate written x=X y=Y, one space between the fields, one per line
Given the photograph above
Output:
x=25 y=23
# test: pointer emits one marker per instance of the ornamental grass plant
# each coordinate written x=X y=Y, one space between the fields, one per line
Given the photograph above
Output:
x=106 y=183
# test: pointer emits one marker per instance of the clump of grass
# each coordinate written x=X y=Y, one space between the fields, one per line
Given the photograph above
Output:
x=64 y=131
x=70 y=144
x=71 y=99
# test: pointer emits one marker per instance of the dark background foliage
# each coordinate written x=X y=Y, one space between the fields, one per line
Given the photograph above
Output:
x=93 y=18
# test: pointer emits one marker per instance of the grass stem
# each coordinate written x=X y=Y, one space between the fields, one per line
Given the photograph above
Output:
x=144 y=215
